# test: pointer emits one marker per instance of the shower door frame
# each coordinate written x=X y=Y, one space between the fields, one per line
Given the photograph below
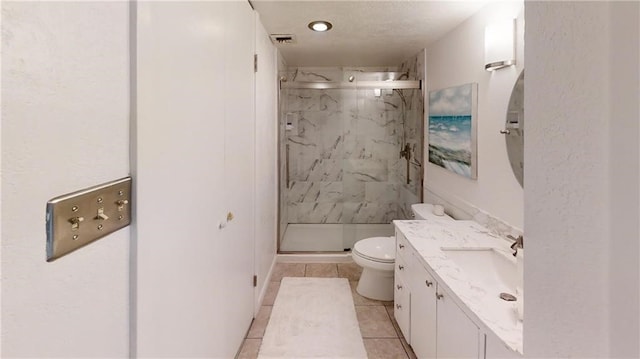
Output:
x=321 y=85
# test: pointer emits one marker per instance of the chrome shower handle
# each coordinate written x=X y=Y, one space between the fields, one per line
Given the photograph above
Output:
x=287 y=165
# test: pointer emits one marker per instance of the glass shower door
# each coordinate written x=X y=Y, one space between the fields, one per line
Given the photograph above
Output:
x=344 y=155
x=411 y=163
x=315 y=150
x=371 y=160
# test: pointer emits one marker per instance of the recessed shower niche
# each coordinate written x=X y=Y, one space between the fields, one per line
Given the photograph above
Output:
x=350 y=155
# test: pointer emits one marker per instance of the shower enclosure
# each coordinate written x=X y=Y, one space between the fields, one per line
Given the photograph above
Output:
x=350 y=156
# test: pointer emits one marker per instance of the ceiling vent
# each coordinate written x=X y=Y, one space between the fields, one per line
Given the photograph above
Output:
x=283 y=39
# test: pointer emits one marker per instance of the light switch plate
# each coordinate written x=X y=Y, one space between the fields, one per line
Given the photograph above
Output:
x=79 y=218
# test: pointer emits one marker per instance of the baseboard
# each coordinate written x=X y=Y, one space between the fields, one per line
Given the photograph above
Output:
x=315 y=258
x=263 y=290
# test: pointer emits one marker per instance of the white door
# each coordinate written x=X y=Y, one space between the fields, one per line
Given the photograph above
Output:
x=193 y=164
x=239 y=169
x=266 y=161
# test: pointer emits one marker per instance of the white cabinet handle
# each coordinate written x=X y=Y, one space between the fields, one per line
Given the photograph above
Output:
x=401 y=246
x=439 y=296
x=398 y=306
x=398 y=286
x=429 y=284
x=399 y=267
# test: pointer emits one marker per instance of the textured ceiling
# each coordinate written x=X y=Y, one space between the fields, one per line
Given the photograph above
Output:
x=365 y=33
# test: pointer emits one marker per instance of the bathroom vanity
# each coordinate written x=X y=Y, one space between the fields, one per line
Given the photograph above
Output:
x=448 y=280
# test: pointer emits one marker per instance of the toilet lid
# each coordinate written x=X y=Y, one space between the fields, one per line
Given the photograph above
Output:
x=379 y=249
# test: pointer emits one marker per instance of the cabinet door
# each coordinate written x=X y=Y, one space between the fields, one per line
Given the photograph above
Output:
x=423 y=313
x=402 y=299
x=457 y=335
x=496 y=349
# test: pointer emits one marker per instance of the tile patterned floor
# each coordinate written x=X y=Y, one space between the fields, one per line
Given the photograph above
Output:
x=380 y=332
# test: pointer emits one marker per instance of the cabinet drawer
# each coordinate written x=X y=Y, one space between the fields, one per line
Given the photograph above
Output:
x=402 y=268
x=402 y=307
x=402 y=246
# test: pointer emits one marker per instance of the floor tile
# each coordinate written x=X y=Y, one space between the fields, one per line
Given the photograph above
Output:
x=381 y=334
x=260 y=322
x=360 y=300
x=408 y=349
x=384 y=349
x=389 y=309
x=327 y=270
x=271 y=293
x=375 y=322
x=282 y=270
x=351 y=271
x=249 y=349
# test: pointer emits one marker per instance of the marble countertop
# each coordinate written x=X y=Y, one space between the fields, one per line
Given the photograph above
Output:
x=428 y=237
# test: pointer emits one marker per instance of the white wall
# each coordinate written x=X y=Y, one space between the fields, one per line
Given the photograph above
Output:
x=624 y=177
x=266 y=159
x=65 y=126
x=581 y=194
x=456 y=59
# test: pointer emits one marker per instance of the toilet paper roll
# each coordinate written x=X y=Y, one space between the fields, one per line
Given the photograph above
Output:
x=438 y=210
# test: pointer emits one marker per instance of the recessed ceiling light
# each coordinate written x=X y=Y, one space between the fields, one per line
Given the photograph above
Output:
x=320 y=26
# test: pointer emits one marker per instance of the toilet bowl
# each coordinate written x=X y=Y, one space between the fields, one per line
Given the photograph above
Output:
x=376 y=256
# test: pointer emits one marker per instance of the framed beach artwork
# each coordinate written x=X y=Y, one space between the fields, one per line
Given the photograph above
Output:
x=452 y=129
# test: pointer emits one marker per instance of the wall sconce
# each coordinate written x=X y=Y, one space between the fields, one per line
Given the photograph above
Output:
x=499 y=45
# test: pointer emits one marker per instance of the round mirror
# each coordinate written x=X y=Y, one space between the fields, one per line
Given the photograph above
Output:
x=514 y=129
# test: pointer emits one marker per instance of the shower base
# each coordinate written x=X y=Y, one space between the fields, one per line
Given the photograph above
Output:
x=329 y=237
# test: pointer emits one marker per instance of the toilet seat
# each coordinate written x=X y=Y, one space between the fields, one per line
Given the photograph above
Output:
x=376 y=249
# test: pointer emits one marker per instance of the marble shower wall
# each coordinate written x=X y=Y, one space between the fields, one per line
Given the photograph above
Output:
x=412 y=126
x=344 y=146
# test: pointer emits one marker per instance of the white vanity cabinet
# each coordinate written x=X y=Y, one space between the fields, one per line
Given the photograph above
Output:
x=401 y=296
x=423 y=311
x=495 y=349
x=457 y=335
x=437 y=327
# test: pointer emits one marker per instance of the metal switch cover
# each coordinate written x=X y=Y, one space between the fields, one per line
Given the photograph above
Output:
x=79 y=218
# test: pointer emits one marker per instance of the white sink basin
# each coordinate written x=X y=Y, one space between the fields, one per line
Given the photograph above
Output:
x=489 y=268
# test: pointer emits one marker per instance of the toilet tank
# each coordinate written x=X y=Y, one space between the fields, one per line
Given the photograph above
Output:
x=425 y=211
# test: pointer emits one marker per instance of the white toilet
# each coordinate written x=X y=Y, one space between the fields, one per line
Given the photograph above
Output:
x=376 y=256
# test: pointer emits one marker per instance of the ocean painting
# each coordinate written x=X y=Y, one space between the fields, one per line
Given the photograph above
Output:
x=452 y=130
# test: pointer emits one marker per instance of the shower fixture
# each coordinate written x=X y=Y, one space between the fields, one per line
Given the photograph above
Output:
x=406 y=153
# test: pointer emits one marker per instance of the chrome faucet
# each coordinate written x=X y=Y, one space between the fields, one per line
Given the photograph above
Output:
x=519 y=243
